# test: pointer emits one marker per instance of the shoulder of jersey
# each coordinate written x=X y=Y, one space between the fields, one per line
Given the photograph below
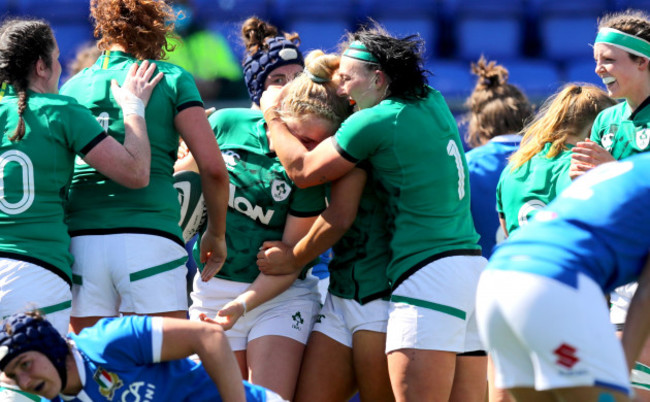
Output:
x=190 y=197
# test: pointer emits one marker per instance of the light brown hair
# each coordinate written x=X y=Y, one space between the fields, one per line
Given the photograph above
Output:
x=566 y=113
x=495 y=106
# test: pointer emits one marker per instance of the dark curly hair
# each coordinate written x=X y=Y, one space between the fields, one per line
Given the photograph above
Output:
x=22 y=43
x=140 y=26
x=399 y=58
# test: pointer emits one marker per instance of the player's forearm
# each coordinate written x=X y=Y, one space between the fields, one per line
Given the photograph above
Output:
x=215 y=192
x=265 y=288
x=220 y=364
x=138 y=150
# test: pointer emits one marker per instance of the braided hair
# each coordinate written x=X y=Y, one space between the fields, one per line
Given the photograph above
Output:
x=22 y=43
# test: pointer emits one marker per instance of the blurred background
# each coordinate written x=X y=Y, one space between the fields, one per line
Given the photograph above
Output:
x=543 y=43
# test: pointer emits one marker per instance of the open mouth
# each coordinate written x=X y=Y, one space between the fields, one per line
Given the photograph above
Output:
x=608 y=80
x=39 y=387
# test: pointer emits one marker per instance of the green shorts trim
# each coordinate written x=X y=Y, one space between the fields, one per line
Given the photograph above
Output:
x=145 y=273
x=430 y=305
x=29 y=396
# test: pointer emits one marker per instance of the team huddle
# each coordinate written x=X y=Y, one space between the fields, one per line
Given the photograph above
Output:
x=353 y=153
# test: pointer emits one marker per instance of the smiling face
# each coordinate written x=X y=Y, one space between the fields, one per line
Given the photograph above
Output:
x=310 y=130
x=33 y=372
x=624 y=78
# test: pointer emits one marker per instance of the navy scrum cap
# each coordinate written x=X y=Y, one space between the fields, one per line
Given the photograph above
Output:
x=23 y=333
x=281 y=52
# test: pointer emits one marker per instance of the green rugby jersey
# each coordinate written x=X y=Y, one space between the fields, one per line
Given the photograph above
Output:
x=622 y=132
x=35 y=174
x=529 y=188
x=261 y=193
x=358 y=268
x=420 y=173
x=98 y=205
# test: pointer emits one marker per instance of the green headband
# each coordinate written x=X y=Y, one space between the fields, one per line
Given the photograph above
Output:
x=629 y=43
x=358 y=50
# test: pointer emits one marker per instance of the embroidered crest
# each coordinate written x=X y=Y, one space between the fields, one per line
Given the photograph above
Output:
x=108 y=382
x=642 y=139
x=608 y=141
x=280 y=190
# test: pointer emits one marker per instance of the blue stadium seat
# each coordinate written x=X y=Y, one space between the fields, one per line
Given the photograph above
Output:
x=56 y=11
x=567 y=7
x=537 y=78
x=324 y=34
x=568 y=37
x=319 y=24
x=497 y=38
x=70 y=37
x=582 y=71
x=452 y=78
x=424 y=26
x=492 y=28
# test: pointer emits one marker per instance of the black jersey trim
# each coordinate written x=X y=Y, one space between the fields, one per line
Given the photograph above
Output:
x=374 y=296
x=502 y=215
x=435 y=257
x=344 y=154
x=299 y=214
x=99 y=138
x=477 y=353
x=45 y=265
x=154 y=232
x=642 y=106
x=187 y=105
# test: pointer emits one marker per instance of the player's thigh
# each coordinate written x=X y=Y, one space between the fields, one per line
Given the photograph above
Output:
x=274 y=362
x=371 y=366
x=326 y=373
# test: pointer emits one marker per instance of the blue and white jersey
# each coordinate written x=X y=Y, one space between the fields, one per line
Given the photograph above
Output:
x=119 y=360
x=600 y=226
x=485 y=166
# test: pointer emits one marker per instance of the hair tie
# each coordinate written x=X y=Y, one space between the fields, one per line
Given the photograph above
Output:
x=315 y=78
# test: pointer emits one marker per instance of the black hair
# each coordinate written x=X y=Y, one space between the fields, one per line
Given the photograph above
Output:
x=399 y=58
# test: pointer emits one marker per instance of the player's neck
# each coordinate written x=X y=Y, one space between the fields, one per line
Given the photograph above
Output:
x=73 y=384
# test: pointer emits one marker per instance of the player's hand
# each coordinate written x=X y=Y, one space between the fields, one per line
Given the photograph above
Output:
x=585 y=156
x=272 y=98
x=213 y=254
x=137 y=84
x=276 y=258
x=227 y=316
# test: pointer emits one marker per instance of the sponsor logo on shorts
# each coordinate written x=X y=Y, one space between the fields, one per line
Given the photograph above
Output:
x=108 y=382
x=297 y=321
x=566 y=356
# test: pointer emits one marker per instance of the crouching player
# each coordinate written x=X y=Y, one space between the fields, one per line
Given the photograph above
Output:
x=126 y=358
x=541 y=305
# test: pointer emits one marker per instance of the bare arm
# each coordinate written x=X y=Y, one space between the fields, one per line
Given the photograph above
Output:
x=182 y=338
x=265 y=287
x=637 y=325
x=199 y=137
x=279 y=258
x=502 y=222
x=128 y=164
x=305 y=168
